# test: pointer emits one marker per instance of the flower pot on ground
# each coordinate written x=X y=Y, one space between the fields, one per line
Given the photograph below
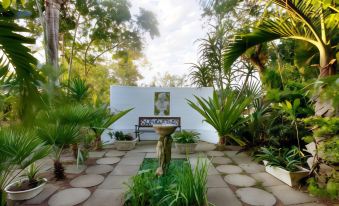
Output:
x=288 y=177
x=21 y=190
x=19 y=149
x=185 y=141
x=284 y=164
x=123 y=142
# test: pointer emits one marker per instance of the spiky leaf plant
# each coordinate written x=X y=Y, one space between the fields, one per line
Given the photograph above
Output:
x=58 y=136
x=19 y=149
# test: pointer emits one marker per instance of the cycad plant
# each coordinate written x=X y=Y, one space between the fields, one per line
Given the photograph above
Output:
x=102 y=119
x=18 y=149
x=223 y=113
x=59 y=136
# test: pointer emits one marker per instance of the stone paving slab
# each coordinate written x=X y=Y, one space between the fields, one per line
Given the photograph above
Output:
x=46 y=193
x=266 y=179
x=289 y=195
x=108 y=146
x=255 y=196
x=125 y=170
x=215 y=154
x=114 y=153
x=112 y=197
x=212 y=171
x=222 y=197
x=96 y=154
x=221 y=160
x=69 y=197
x=75 y=169
x=240 y=180
x=204 y=147
x=99 y=169
x=132 y=160
x=178 y=156
x=252 y=168
x=229 y=169
x=151 y=155
x=115 y=182
x=135 y=154
x=215 y=181
x=108 y=160
x=87 y=180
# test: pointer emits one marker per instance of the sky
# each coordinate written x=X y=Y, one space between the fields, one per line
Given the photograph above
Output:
x=180 y=25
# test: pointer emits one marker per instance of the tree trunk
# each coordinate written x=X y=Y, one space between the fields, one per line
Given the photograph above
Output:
x=59 y=170
x=97 y=143
x=221 y=143
x=52 y=13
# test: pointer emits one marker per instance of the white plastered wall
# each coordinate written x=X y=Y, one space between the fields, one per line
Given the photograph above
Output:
x=142 y=100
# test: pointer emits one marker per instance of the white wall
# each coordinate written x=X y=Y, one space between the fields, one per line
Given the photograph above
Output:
x=142 y=100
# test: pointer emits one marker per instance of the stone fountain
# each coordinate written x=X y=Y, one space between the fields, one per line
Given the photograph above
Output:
x=164 y=146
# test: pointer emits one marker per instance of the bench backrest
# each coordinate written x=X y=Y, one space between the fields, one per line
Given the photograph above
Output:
x=150 y=121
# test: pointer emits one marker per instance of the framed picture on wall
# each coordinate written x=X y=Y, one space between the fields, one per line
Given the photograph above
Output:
x=162 y=103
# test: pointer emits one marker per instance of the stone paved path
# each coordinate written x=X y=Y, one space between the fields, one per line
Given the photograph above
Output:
x=233 y=179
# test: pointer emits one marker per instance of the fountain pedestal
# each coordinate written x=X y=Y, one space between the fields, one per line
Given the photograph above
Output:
x=164 y=146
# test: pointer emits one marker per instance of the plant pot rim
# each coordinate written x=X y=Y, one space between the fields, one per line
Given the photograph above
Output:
x=23 y=191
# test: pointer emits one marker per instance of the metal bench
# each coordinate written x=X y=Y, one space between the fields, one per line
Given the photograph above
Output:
x=148 y=122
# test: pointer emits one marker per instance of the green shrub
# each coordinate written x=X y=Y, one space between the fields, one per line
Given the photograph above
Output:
x=185 y=136
x=285 y=158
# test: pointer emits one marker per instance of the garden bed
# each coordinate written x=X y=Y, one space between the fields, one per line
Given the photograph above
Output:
x=179 y=182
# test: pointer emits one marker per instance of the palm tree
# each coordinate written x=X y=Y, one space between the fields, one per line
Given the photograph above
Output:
x=302 y=21
x=18 y=149
x=59 y=136
x=101 y=121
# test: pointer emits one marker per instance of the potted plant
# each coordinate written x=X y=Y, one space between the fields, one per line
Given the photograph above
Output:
x=28 y=187
x=18 y=149
x=186 y=141
x=124 y=142
x=284 y=164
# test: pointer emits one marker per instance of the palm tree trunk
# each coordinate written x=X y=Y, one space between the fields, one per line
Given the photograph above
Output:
x=52 y=13
x=327 y=68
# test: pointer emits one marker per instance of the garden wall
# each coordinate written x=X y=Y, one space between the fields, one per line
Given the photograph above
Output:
x=142 y=99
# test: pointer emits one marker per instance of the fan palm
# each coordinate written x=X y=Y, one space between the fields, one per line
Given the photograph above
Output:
x=101 y=121
x=18 y=149
x=223 y=113
x=303 y=20
x=58 y=136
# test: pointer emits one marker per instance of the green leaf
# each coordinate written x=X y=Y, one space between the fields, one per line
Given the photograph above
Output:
x=6 y=3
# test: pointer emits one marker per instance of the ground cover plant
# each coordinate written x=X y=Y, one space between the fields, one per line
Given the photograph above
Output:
x=181 y=185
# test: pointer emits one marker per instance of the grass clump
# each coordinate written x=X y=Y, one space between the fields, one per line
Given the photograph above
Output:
x=180 y=186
